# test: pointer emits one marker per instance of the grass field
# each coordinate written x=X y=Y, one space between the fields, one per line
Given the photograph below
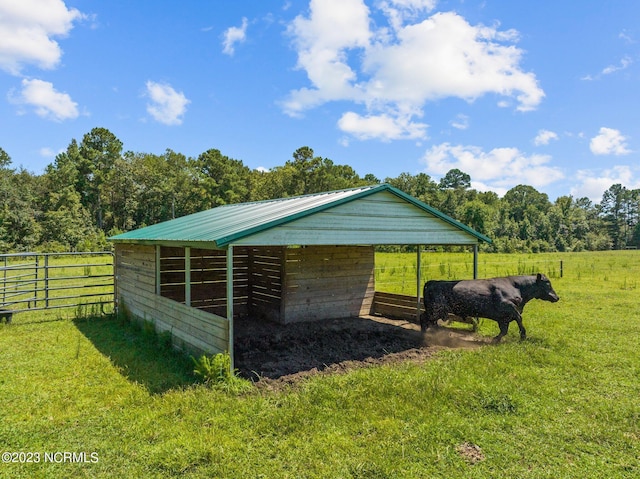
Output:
x=563 y=404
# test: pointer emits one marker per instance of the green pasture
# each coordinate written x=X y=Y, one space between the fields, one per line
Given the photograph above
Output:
x=397 y=272
x=563 y=404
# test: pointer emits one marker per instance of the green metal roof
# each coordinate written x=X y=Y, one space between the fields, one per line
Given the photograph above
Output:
x=225 y=224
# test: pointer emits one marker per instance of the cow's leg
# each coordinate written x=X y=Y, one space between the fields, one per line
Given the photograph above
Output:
x=504 y=328
x=423 y=322
x=523 y=332
x=429 y=317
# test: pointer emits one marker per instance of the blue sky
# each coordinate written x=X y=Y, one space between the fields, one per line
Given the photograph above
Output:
x=542 y=93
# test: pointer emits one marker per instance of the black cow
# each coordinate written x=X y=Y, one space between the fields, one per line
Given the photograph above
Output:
x=500 y=299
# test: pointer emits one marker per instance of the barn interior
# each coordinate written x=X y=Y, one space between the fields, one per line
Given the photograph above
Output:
x=297 y=309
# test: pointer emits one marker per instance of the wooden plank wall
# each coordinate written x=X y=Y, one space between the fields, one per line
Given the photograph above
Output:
x=397 y=306
x=323 y=282
x=208 y=279
x=191 y=329
x=266 y=270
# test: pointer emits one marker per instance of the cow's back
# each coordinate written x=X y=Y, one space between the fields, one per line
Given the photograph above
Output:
x=479 y=297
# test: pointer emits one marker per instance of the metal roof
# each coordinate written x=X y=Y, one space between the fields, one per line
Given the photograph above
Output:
x=225 y=224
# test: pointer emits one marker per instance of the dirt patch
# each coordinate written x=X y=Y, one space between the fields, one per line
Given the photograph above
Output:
x=270 y=353
x=470 y=452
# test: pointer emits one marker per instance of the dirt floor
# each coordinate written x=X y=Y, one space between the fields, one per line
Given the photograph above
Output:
x=271 y=353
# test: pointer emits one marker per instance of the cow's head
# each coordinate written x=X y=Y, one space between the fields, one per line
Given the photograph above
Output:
x=545 y=290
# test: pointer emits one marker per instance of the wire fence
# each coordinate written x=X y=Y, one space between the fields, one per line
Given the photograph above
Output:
x=398 y=272
x=38 y=281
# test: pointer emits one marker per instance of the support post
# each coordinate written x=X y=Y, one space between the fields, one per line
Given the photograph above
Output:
x=230 y=302
x=187 y=276
x=475 y=261
x=418 y=284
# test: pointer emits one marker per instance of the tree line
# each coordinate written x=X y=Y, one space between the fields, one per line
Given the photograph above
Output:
x=95 y=189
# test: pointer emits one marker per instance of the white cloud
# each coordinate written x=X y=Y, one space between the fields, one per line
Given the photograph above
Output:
x=498 y=170
x=608 y=70
x=27 y=29
x=383 y=127
x=609 y=142
x=593 y=183
x=322 y=42
x=544 y=137
x=46 y=152
x=461 y=122
x=167 y=105
x=394 y=72
x=47 y=102
x=624 y=63
x=626 y=36
x=233 y=35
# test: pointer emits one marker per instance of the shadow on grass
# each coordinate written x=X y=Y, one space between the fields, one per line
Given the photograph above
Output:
x=140 y=356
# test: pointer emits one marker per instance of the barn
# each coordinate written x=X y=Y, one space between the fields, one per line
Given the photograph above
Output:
x=303 y=258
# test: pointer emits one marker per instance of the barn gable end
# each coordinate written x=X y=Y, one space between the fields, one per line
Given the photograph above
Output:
x=380 y=218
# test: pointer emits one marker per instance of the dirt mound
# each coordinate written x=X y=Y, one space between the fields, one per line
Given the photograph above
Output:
x=267 y=352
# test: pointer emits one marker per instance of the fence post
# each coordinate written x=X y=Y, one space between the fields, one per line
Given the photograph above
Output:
x=4 y=283
x=35 y=283
x=46 y=280
x=561 y=269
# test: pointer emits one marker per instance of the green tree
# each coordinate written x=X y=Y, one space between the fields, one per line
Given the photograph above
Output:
x=67 y=222
x=99 y=152
x=420 y=186
x=455 y=179
x=614 y=208
x=222 y=180
x=19 y=213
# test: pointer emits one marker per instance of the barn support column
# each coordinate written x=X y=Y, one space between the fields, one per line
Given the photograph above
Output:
x=475 y=261
x=418 y=285
x=230 y=302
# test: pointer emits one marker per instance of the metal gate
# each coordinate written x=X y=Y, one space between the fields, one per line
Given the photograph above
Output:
x=37 y=281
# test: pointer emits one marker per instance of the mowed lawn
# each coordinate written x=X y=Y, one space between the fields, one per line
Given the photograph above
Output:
x=563 y=404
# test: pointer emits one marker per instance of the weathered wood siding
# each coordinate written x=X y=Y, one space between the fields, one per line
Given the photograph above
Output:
x=381 y=218
x=208 y=278
x=398 y=306
x=191 y=329
x=266 y=270
x=322 y=282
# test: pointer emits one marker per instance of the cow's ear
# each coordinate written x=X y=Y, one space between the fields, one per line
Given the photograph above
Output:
x=539 y=277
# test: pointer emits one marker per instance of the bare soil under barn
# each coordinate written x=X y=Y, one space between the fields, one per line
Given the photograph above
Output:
x=273 y=354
